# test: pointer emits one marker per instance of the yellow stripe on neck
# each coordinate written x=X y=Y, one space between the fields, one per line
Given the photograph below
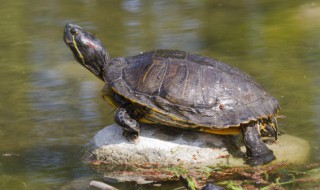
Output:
x=79 y=53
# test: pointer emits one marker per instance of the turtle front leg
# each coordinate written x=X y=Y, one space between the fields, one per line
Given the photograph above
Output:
x=256 y=151
x=131 y=128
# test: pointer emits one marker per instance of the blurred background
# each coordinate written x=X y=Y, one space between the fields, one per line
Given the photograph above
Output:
x=50 y=107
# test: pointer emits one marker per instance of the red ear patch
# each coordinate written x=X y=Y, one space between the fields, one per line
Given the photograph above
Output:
x=91 y=45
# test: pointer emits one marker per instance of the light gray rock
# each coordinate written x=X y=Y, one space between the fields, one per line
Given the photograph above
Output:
x=163 y=146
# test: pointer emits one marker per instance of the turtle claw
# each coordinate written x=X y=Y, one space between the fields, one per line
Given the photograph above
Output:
x=131 y=136
x=131 y=128
x=261 y=160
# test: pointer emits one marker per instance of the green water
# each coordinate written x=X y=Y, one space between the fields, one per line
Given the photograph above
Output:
x=50 y=107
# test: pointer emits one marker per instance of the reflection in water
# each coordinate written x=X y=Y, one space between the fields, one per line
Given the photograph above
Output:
x=88 y=106
x=50 y=107
x=133 y=6
x=150 y=29
x=46 y=98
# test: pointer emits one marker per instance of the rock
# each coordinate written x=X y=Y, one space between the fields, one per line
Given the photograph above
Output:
x=211 y=186
x=101 y=185
x=160 y=145
x=168 y=147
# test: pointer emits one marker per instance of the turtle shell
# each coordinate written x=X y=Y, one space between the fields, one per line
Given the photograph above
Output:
x=180 y=88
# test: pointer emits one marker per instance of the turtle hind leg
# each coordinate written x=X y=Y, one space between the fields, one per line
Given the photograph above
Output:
x=131 y=128
x=256 y=151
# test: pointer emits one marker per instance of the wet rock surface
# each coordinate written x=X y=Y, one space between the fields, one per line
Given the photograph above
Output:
x=163 y=147
x=159 y=145
x=171 y=146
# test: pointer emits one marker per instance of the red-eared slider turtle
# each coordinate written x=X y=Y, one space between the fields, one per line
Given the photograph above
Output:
x=180 y=89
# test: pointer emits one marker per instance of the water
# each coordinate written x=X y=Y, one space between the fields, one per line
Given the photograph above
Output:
x=50 y=107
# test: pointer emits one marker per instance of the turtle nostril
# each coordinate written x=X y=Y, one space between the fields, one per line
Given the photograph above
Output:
x=73 y=31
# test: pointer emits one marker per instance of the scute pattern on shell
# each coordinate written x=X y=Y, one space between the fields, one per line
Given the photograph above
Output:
x=193 y=89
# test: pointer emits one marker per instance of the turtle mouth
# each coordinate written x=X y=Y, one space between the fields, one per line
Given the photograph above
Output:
x=70 y=36
x=70 y=31
x=67 y=41
x=67 y=38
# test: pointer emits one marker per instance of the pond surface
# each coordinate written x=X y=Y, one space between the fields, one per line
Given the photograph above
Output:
x=50 y=107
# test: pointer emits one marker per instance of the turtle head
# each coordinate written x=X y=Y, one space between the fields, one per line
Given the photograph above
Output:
x=87 y=49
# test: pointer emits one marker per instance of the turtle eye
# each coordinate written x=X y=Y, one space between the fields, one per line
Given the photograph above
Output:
x=73 y=31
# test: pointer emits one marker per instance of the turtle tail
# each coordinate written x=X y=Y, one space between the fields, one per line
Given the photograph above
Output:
x=270 y=129
x=274 y=125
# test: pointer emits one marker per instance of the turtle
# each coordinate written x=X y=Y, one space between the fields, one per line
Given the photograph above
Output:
x=177 y=88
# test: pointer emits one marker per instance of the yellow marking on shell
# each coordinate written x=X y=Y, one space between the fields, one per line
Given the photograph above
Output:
x=107 y=95
x=146 y=121
x=226 y=131
x=76 y=46
x=176 y=119
x=110 y=101
x=145 y=75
